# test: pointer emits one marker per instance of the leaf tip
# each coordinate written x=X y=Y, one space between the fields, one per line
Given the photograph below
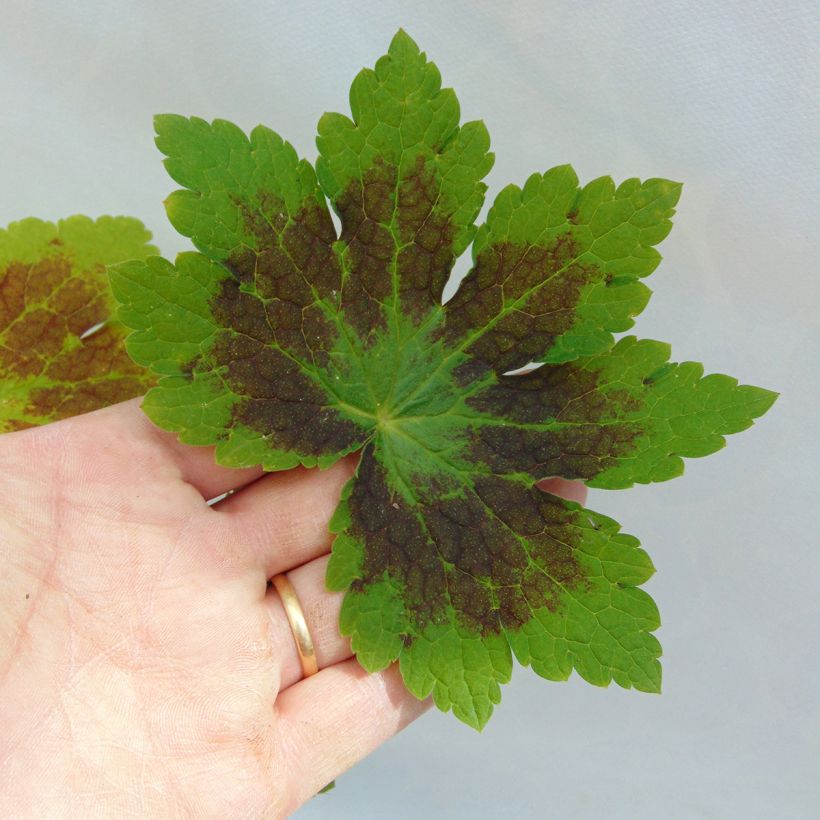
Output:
x=164 y=122
x=403 y=43
x=766 y=399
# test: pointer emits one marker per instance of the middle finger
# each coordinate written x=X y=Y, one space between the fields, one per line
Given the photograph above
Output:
x=281 y=520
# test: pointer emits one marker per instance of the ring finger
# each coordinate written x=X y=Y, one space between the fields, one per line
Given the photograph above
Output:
x=321 y=612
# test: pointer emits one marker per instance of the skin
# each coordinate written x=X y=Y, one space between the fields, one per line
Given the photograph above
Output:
x=146 y=667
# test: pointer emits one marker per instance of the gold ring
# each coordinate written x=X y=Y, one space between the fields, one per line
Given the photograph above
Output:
x=298 y=624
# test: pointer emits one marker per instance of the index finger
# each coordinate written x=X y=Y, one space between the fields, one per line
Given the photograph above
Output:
x=121 y=438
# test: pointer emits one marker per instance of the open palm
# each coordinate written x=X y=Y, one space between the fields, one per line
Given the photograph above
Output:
x=146 y=668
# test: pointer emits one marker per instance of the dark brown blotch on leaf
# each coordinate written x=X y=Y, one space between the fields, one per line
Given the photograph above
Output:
x=40 y=305
x=290 y=266
x=273 y=329
x=242 y=312
x=395 y=543
x=100 y=354
x=93 y=374
x=45 y=307
x=426 y=234
x=494 y=553
x=422 y=254
x=276 y=398
x=559 y=392
x=592 y=441
x=547 y=280
x=66 y=400
x=546 y=539
x=365 y=208
x=573 y=452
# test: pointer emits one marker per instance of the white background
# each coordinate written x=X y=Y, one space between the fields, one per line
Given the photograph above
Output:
x=724 y=96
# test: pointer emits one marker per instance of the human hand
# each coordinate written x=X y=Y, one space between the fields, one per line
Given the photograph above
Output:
x=146 y=667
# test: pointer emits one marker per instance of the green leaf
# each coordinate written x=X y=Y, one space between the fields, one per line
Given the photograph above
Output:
x=53 y=290
x=283 y=343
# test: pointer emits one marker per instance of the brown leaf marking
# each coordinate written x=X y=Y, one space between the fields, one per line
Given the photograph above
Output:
x=426 y=233
x=563 y=393
x=504 y=272
x=463 y=555
x=44 y=308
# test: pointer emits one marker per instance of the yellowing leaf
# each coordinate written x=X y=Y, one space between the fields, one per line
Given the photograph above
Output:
x=53 y=290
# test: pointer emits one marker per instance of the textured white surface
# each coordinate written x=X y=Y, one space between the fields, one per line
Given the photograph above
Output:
x=724 y=96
